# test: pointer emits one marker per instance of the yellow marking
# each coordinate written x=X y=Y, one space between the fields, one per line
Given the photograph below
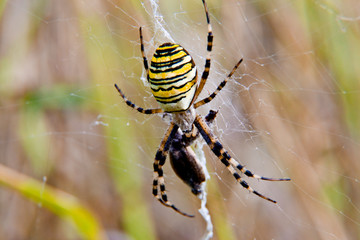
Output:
x=165 y=66
x=173 y=92
x=175 y=81
x=169 y=58
x=187 y=67
x=168 y=47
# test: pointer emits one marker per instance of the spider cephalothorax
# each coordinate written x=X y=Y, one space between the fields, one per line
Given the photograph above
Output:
x=173 y=80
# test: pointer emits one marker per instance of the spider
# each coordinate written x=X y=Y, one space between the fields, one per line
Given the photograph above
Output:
x=172 y=76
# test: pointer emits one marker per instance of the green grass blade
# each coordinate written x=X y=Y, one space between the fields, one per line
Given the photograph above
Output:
x=60 y=203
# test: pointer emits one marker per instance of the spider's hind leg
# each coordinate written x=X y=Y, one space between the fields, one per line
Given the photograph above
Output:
x=248 y=173
x=230 y=163
x=159 y=162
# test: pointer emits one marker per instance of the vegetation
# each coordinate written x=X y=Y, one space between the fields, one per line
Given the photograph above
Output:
x=72 y=150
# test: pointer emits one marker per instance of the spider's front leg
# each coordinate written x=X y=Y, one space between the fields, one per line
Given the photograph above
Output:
x=230 y=163
x=159 y=162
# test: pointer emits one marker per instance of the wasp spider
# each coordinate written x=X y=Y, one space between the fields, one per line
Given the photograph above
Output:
x=172 y=76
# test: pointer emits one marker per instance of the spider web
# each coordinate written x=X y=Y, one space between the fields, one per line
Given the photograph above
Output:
x=289 y=111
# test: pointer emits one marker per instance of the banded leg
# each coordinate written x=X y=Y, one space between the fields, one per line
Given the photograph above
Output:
x=210 y=39
x=191 y=136
x=228 y=161
x=159 y=162
x=221 y=86
x=139 y=109
x=142 y=48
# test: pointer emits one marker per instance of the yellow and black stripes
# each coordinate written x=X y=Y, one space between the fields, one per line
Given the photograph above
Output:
x=139 y=109
x=230 y=163
x=159 y=162
x=172 y=77
x=210 y=39
x=218 y=89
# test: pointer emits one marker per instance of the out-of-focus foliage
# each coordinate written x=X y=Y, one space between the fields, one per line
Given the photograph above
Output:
x=60 y=203
x=70 y=144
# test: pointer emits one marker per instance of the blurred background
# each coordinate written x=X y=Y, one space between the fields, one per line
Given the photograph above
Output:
x=76 y=162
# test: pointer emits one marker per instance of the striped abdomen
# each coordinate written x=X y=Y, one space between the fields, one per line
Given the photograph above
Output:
x=172 y=77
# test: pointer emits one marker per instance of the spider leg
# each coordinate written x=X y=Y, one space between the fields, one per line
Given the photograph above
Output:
x=146 y=66
x=142 y=48
x=189 y=137
x=159 y=162
x=241 y=181
x=139 y=109
x=227 y=160
x=248 y=173
x=218 y=89
x=210 y=38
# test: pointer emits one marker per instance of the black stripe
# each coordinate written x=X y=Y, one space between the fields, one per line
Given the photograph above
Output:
x=170 y=138
x=170 y=78
x=172 y=82
x=156 y=167
x=164 y=198
x=162 y=50
x=142 y=46
x=248 y=173
x=240 y=167
x=155 y=192
x=225 y=162
x=236 y=175
x=167 y=63
x=222 y=84
x=166 y=70
x=167 y=45
x=206 y=100
x=166 y=52
x=210 y=39
x=173 y=101
x=130 y=104
x=202 y=132
x=207 y=69
x=172 y=87
x=226 y=155
x=167 y=82
x=160 y=155
x=245 y=185
x=217 y=148
x=206 y=12
x=146 y=66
